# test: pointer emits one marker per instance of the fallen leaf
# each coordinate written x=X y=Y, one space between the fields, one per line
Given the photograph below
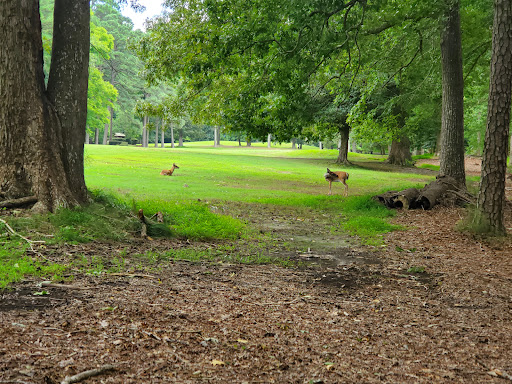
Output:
x=218 y=362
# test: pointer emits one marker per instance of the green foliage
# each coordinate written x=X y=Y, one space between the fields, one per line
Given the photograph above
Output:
x=416 y=269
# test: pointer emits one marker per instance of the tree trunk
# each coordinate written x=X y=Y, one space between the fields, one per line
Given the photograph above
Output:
x=156 y=135
x=269 y=140
x=42 y=132
x=97 y=136
x=216 y=137
x=180 y=144
x=491 y=197
x=162 y=139
x=294 y=143
x=452 y=121
x=172 y=135
x=344 y=131
x=111 y=119
x=87 y=138
x=105 y=134
x=144 y=130
x=400 y=152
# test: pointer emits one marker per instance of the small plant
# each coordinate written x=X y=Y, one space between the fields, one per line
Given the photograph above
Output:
x=416 y=269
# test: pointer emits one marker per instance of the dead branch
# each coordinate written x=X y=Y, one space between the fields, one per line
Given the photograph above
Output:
x=86 y=374
x=134 y=275
x=13 y=203
x=144 y=229
x=30 y=242
x=49 y=284
x=495 y=372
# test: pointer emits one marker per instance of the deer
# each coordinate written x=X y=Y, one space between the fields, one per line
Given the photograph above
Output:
x=338 y=176
x=168 y=172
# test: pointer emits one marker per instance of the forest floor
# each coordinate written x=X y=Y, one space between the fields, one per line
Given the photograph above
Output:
x=432 y=305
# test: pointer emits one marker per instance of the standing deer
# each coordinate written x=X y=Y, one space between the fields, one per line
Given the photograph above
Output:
x=338 y=176
x=168 y=172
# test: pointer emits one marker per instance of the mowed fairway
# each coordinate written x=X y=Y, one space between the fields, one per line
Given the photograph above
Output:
x=252 y=174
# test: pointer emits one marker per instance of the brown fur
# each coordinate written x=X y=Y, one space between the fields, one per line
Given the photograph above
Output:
x=168 y=172
x=338 y=176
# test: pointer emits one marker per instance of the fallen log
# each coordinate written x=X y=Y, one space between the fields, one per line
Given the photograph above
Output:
x=444 y=187
x=429 y=195
x=406 y=199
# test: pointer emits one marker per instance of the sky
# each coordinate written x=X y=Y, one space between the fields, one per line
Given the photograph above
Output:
x=153 y=7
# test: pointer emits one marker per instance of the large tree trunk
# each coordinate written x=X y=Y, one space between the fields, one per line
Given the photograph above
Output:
x=343 y=150
x=105 y=134
x=452 y=121
x=400 y=151
x=172 y=135
x=42 y=133
x=491 y=197
x=180 y=138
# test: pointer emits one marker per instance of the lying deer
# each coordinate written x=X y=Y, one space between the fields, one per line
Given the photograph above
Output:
x=339 y=176
x=168 y=172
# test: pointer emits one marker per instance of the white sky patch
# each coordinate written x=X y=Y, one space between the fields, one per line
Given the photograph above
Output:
x=153 y=8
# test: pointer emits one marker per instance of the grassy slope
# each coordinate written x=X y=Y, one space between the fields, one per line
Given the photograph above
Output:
x=254 y=174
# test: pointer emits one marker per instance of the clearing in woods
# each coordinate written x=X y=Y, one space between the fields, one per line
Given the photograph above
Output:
x=433 y=305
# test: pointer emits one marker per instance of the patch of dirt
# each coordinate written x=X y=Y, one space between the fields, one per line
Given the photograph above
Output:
x=434 y=305
x=472 y=164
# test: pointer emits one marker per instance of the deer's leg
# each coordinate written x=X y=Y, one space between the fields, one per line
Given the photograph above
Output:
x=330 y=183
x=346 y=187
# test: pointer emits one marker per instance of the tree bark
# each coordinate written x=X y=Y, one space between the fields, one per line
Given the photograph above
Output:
x=344 y=131
x=400 y=152
x=42 y=132
x=172 y=135
x=269 y=140
x=216 y=136
x=105 y=134
x=144 y=131
x=180 y=140
x=156 y=135
x=452 y=120
x=491 y=197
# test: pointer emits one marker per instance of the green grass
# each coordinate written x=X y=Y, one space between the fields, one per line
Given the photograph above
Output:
x=250 y=175
x=15 y=264
x=367 y=219
x=430 y=166
x=125 y=179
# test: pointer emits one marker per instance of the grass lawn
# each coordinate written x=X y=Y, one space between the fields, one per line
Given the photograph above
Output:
x=278 y=175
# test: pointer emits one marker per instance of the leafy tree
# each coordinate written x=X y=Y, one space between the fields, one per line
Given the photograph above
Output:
x=121 y=67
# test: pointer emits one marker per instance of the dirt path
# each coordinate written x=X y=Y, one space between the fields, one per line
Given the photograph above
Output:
x=432 y=306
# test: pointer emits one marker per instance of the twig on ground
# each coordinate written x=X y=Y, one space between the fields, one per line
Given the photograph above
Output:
x=64 y=286
x=30 y=242
x=86 y=374
x=495 y=372
x=134 y=275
